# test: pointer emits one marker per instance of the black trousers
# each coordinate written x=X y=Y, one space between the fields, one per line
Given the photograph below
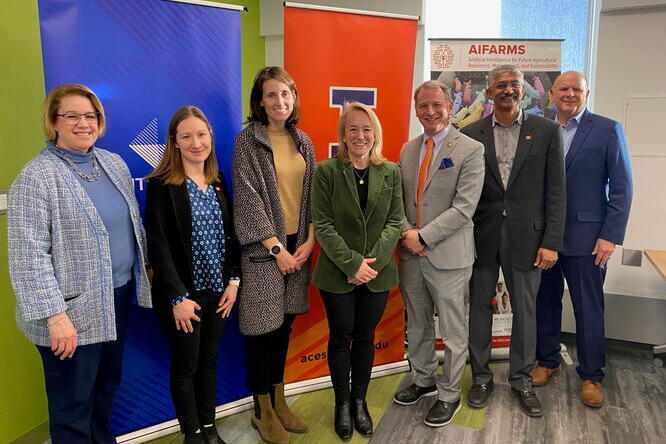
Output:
x=193 y=362
x=80 y=389
x=266 y=355
x=352 y=319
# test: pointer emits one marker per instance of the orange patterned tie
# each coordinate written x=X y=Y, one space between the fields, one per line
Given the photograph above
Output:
x=423 y=177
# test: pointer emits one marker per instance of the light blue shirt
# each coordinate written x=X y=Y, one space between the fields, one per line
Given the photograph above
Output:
x=439 y=141
x=570 y=130
x=112 y=209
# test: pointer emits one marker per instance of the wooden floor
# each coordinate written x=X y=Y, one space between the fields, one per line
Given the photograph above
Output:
x=635 y=410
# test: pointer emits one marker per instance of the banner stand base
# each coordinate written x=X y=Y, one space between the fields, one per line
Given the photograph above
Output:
x=243 y=404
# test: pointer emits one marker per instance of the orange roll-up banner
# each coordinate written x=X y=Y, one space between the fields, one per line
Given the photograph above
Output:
x=336 y=57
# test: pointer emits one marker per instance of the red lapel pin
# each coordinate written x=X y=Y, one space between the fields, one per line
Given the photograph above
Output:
x=528 y=137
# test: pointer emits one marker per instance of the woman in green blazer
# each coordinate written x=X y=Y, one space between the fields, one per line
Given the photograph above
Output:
x=357 y=213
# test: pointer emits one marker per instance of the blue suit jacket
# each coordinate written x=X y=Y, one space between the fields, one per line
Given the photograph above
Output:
x=599 y=185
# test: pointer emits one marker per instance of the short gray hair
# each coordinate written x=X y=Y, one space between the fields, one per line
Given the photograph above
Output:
x=434 y=84
x=503 y=69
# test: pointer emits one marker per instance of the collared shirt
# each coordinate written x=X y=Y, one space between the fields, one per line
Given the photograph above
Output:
x=506 y=143
x=439 y=141
x=570 y=130
x=208 y=244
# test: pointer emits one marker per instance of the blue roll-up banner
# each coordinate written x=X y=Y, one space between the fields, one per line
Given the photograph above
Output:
x=144 y=59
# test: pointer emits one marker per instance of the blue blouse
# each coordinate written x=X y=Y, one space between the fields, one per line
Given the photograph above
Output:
x=208 y=243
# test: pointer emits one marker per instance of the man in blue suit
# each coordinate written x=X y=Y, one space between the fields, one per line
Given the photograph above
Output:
x=599 y=190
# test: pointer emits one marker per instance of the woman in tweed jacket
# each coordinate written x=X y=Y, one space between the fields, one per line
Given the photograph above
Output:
x=272 y=173
x=76 y=259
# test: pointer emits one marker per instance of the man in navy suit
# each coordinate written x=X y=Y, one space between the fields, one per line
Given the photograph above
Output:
x=599 y=190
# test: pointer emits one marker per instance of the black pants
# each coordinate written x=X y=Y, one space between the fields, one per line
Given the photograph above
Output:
x=352 y=319
x=193 y=362
x=80 y=389
x=266 y=356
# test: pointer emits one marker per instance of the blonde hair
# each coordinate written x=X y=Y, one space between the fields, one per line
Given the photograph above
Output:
x=52 y=103
x=376 y=156
x=170 y=169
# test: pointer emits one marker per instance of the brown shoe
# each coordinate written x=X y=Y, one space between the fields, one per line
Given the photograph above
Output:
x=266 y=421
x=291 y=421
x=592 y=394
x=541 y=375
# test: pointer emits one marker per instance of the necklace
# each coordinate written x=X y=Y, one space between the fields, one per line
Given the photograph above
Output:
x=361 y=177
x=94 y=175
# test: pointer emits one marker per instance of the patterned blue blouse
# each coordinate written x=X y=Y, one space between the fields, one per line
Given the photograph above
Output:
x=208 y=244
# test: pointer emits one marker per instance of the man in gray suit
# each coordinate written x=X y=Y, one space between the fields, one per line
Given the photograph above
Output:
x=442 y=175
x=518 y=225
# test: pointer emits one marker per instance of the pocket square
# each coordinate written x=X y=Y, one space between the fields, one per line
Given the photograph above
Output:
x=447 y=162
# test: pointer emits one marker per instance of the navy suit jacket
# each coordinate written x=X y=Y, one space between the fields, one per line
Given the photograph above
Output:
x=599 y=185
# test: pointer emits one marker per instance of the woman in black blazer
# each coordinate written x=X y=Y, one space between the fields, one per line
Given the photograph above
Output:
x=194 y=255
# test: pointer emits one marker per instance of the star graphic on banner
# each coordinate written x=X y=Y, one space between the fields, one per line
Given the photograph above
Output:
x=146 y=145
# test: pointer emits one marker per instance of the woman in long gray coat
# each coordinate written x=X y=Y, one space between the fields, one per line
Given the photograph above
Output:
x=272 y=174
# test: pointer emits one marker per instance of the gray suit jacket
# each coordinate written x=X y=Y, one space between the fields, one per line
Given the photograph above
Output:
x=449 y=199
x=534 y=200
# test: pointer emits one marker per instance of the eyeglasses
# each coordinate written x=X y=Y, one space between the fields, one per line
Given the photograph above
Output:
x=75 y=118
x=504 y=85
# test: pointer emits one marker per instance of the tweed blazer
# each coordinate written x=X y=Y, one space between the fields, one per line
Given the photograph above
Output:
x=59 y=256
x=346 y=234
x=265 y=294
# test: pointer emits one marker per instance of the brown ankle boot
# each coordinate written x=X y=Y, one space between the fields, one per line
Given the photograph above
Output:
x=266 y=421
x=290 y=420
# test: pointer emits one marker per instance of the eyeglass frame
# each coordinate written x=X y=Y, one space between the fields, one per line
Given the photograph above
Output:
x=84 y=116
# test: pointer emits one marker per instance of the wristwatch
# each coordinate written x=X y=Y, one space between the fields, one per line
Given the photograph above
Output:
x=275 y=249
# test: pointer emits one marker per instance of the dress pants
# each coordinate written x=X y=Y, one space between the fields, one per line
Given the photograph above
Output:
x=586 y=287
x=523 y=286
x=426 y=289
x=352 y=319
x=194 y=361
x=80 y=389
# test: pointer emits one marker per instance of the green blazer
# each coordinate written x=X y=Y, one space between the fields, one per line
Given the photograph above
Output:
x=346 y=234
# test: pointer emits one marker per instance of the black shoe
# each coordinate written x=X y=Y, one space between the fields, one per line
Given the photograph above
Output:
x=194 y=438
x=343 y=421
x=529 y=402
x=211 y=436
x=441 y=413
x=412 y=393
x=479 y=394
x=361 y=416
